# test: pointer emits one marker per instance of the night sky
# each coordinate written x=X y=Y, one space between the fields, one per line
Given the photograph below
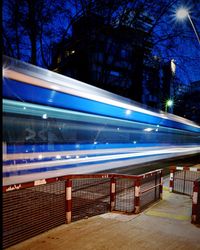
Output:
x=190 y=51
x=185 y=48
x=186 y=51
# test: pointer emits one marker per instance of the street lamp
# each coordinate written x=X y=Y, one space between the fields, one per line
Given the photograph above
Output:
x=169 y=103
x=181 y=14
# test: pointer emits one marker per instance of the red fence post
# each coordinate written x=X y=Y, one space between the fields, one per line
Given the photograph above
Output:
x=161 y=185
x=68 y=191
x=112 y=193
x=195 y=201
x=171 y=180
x=155 y=186
x=137 y=197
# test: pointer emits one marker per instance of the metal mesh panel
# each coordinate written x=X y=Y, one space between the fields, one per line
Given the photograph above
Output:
x=149 y=197
x=90 y=197
x=190 y=177
x=149 y=181
x=183 y=181
x=149 y=190
x=29 y=212
x=179 y=181
x=125 y=193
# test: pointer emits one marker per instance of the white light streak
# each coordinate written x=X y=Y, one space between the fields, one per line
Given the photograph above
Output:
x=148 y=129
x=128 y=112
x=44 y=116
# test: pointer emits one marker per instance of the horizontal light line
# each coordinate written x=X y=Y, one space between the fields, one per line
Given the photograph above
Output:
x=93 y=168
x=73 y=153
x=55 y=163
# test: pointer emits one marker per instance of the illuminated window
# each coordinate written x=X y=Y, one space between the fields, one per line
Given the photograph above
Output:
x=59 y=59
x=69 y=52
x=124 y=53
x=66 y=53
x=114 y=73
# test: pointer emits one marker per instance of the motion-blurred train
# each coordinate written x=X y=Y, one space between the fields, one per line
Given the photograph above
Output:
x=55 y=125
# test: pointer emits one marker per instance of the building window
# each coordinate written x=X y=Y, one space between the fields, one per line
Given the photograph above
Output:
x=59 y=59
x=69 y=52
x=114 y=73
x=124 y=53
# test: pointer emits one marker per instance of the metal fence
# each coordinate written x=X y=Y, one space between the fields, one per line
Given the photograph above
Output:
x=30 y=211
x=125 y=195
x=186 y=180
x=90 y=197
x=182 y=179
x=150 y=190
x=35 y=207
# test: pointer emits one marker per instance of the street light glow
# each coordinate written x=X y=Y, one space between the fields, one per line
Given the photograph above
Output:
x=169 y=103
x=182 y=13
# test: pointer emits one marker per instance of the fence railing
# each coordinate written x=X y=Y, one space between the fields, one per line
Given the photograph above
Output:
x=186 y=180
x=182 y=179
x=35 y=207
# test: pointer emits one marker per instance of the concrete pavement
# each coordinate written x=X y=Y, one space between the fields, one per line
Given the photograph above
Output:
x=164 y=225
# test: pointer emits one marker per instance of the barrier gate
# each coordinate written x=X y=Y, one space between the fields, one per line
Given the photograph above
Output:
x=182 y=179
x=186 y=180
x=35 y=207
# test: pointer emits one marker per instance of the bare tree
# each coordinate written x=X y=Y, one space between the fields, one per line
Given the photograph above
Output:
x=32 y=27
x=29 y=27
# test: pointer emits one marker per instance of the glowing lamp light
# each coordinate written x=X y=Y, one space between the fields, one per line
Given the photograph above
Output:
x=169 y=103
x=173 y=66
x=182 y=13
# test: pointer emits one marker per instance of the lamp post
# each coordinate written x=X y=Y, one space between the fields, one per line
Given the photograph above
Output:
x=181 y=14
x=169 y=103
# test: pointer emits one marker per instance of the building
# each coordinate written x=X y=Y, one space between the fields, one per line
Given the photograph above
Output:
x=188 y=104
x=116 y=58
x=152 y=79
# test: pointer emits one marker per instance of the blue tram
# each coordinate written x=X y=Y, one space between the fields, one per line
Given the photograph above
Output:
x=55 y=125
